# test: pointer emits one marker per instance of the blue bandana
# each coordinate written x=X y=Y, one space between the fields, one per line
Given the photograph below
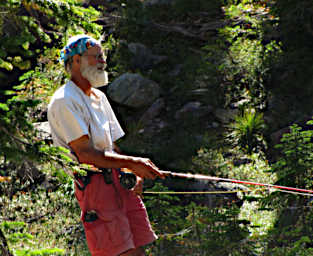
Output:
x=78 y=46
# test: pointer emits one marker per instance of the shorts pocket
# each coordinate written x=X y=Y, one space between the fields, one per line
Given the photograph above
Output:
x=96 y=235
x=107 y=234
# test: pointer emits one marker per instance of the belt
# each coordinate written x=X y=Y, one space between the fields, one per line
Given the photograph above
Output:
x=82 y=181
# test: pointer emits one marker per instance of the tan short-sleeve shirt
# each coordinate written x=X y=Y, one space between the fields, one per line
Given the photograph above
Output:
x=72 y=114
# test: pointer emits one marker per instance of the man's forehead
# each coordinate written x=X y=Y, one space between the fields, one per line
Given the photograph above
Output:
x=95 y=49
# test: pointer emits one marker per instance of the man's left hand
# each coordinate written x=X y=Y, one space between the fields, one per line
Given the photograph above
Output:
x=138 y=187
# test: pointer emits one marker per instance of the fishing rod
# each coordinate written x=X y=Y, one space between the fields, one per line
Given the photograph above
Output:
x=128 y=180
x=206 y=177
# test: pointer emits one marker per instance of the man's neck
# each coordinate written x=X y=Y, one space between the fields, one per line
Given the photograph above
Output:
x=83 y=84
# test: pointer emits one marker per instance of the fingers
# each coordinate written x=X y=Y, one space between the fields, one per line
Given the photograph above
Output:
x=158 y=173
x=139 y=187
x=145 y=168
x=143 y=173
x=152 y=164
x=155 y=170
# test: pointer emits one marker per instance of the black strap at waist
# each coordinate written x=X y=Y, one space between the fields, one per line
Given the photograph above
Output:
x=82 y=181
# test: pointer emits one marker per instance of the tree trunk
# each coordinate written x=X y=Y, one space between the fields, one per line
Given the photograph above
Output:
x=4 y=248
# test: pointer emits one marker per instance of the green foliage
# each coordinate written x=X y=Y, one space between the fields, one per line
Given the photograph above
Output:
x=45 y=218
x=204 y=232
x=247 y=130
x=40 y=82
x=210 y=162
x=233 y=164
x=15 y=237
x=294 y=166
x=246 y=66
x=237 y=65
x=294 y=238
x=164 y=209
x=291 y=80
x=24 y=26
x=194 y=60
x=198 y=230
x=44 y=252
x=218 y=231
x=32 y=32
x=14 y=123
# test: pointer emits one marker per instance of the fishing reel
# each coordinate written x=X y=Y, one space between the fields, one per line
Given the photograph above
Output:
x=127 y=179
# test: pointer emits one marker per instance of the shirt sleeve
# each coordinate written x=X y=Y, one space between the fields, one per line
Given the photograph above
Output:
x=116 y=129
x=68 y=120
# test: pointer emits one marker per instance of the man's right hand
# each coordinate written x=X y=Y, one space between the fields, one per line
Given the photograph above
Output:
x=87 y=154
x=145 y=168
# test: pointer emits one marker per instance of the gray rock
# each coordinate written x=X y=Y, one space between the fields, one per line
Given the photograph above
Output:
x=162 y=124
x=215 y=125
x=133 y=90
x=276 y=136
x=153 y=111
x=176 y=71
x=192 y=109
x=239 y=103
x=143 y=58
x=154 y=127
x=225 y=115
x=210 y=200
x=199 y=92
x=157 y=2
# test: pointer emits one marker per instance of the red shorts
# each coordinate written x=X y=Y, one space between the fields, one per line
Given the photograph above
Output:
x=122 y=222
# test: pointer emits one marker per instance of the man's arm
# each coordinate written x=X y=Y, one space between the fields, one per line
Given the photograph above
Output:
x=86 y=153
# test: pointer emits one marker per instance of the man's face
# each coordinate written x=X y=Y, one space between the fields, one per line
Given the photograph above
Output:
x=93 y=67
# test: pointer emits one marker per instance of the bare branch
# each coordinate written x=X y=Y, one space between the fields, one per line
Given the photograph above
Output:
x=14 y=137
x=178 y=29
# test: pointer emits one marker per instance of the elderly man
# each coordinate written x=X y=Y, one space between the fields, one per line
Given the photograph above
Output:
x=82 y=120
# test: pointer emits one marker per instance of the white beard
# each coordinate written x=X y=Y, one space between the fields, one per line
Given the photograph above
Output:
x=96 y=77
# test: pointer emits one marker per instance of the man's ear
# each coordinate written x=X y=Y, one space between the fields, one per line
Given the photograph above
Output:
x=76 y=62
x=76 y=59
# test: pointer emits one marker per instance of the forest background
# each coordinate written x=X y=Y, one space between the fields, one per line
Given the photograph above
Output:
x=235 y=80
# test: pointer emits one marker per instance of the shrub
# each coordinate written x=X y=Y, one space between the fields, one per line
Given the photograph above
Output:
x=292 y=232
x=247 y=130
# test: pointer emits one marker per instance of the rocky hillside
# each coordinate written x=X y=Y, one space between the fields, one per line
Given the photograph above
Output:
x=206 y=86
x=191 y=68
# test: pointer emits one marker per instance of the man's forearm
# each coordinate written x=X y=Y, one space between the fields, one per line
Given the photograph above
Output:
x=86 y=153
x=142 y=167
x=106 y=160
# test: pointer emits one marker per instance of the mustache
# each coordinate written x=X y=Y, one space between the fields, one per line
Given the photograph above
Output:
x=101 y=67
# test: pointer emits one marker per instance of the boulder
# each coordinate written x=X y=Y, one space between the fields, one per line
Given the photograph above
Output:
x=153 y=111
x=176 y=71
x=133 y=90
x=192 y=109
x=225 y=115
x=157 y=2
x=276 y=136
x=143 y=58
x=210 y=200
